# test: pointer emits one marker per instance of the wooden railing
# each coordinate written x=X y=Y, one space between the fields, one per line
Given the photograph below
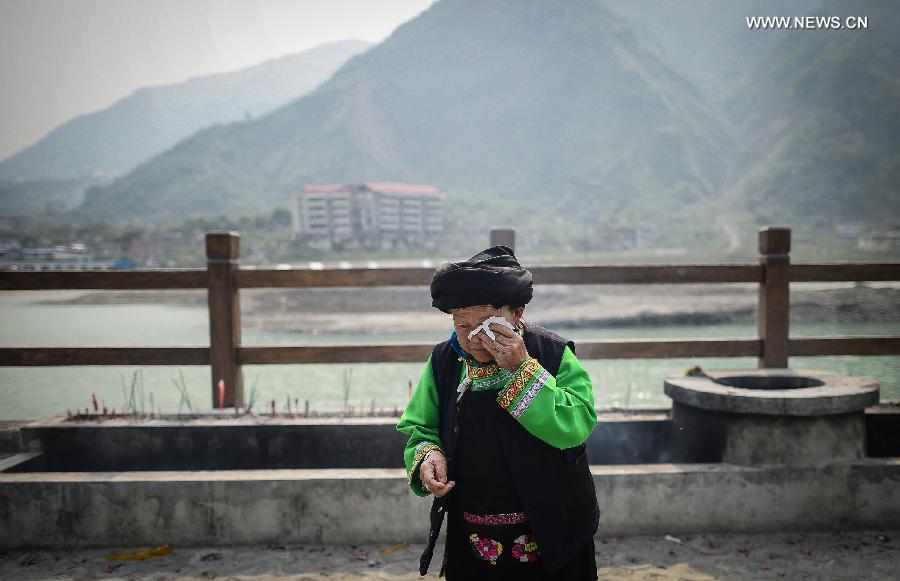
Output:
x=223 y=278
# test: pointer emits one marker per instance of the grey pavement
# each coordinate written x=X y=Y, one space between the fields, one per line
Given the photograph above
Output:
x=831 y=555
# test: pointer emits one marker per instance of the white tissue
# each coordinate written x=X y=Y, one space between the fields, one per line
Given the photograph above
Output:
x=484 y=327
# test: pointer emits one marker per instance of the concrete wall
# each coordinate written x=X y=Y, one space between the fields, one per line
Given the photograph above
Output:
x=883 y=430
x=701 y=435
x=217 y=444
x=10 y=437
x=632 y=437
x=227 y=444
x=375 y=506
x=690 y=498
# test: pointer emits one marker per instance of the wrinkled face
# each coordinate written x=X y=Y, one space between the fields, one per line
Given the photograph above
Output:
x=467 y=318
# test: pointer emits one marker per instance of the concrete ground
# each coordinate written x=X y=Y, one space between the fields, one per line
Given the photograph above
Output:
x=837 y=555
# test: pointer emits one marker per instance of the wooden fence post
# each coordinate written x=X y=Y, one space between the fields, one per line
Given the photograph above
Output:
x=773 y=312
x=504 y=236
x=222 y=251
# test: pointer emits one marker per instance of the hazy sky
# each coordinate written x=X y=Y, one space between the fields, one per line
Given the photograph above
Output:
x=62 y=58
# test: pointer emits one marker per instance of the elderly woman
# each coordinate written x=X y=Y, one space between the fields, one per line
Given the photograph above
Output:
x=496 y=429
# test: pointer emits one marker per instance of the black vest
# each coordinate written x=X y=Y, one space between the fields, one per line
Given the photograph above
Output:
x=555 y=486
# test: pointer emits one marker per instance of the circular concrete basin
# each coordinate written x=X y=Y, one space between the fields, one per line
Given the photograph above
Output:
x=769 y=416
x=795 y=392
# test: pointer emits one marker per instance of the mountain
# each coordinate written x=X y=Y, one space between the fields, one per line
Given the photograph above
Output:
x=36 y=197
x=709 y=41
x=558 y=105
x=153 y=119
x=822 y=118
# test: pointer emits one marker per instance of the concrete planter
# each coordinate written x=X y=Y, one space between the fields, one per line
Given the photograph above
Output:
x=213 y=443
x=264 y=443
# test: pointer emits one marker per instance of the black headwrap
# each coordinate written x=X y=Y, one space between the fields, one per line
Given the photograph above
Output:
x=491 y=277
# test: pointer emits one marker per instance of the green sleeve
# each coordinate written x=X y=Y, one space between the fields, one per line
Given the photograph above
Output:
x=420 y=421
x=558 y=410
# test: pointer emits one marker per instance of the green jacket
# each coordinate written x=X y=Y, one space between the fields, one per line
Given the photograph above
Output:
x=558 y=410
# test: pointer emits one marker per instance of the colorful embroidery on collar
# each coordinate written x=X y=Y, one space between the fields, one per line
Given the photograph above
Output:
x=483 y=376
x=486 y=376
x=477 y=370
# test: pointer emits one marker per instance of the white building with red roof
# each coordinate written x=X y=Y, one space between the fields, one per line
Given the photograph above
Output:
x=374 y=215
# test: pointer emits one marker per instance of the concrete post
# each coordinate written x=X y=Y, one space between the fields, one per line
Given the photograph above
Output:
x=222 y=251
x=504 y=236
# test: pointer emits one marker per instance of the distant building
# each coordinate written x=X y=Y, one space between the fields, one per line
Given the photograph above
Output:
x=74 y=257
x=322 y=215
x=374 y=215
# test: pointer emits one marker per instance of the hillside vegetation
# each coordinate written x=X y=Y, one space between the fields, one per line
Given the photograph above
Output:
x=566 y=119
x=554 y=108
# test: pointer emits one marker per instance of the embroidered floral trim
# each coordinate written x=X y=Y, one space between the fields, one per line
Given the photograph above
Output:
x=525 y=549
x=485 y=377
x=483 y=371
x=520 y=378
x=502 y=519
x=488 y=549
x=421 y=445
x=492 y=382
x=422 y=450
x=531 y=393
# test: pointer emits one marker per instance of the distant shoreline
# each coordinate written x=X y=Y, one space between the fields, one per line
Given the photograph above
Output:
x=408 y=309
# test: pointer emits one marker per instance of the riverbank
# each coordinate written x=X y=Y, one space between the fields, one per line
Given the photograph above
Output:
x=849 y=555
x=408 y=309
x=325 y=317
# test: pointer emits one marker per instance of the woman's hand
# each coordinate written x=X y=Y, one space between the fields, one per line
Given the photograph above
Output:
x=433 y=474
x=508 y=348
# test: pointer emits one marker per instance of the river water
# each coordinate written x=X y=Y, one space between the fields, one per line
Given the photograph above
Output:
x=35 y=393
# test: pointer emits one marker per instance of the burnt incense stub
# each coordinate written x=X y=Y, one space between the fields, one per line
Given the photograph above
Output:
x=770 y=416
